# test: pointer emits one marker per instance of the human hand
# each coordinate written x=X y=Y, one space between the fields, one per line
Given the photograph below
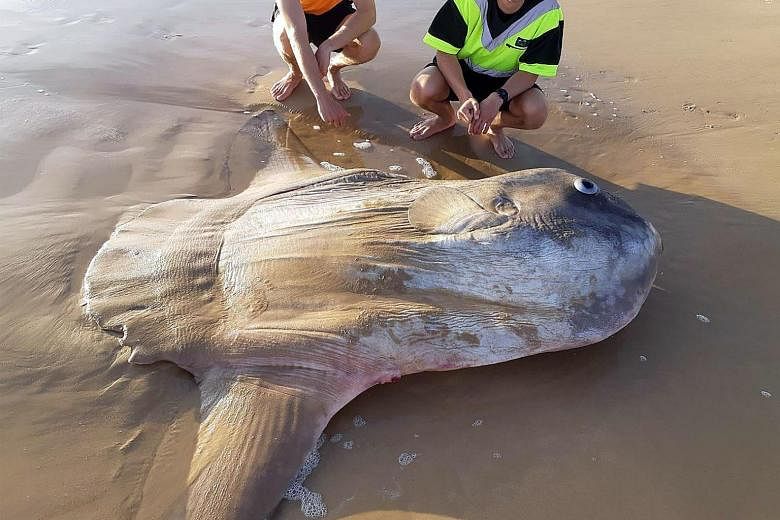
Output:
x=468 y=111
x=331 y=110
x=323 y=57
x=488 y=110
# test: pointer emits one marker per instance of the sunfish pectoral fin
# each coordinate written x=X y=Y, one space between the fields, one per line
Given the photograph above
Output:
x=252 y=439
x=447 y=211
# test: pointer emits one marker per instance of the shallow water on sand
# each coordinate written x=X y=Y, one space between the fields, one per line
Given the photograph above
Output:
x=106 y=110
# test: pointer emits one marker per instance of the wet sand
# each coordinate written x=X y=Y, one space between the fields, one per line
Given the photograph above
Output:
x=676 y=417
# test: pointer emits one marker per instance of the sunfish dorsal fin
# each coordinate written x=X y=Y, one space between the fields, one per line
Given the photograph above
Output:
x=252 y=439
x=267 y=150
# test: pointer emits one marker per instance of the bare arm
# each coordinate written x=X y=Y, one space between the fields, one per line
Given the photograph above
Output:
x=356 y=24
x=450 y=69
x=469 y=110
x=518 y=83
x=294 y=22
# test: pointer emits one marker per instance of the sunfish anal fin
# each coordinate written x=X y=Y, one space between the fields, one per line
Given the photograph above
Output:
x=252 y=439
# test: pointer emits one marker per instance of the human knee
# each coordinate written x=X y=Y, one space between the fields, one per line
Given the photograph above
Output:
x=370 y=44
x=429 y=86
x=537 y=115
x=364 y=48
x=420 y=91
x=533 y=111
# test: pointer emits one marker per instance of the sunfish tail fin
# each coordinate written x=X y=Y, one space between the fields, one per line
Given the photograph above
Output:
x=252 y=440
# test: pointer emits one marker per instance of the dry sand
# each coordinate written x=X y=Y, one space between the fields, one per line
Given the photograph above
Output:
x=677 y=417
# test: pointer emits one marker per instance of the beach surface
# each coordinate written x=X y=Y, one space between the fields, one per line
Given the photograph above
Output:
x=671 y=105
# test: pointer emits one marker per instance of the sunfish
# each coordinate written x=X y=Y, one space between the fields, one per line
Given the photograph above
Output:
x=291 y=298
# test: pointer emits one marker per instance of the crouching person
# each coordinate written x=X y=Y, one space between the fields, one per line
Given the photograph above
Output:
x=489 y=54
x=341 y=31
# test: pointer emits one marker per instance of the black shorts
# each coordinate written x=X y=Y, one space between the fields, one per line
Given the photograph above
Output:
x=323 y=26
x=480 y=85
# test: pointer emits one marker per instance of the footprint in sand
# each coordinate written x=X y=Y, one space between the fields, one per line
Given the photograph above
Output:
x=22 y=49
x=253 y=81
x=260 y=23
x=724 y=114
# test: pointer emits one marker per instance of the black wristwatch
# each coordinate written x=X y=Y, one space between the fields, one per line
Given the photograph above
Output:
x=503 y=94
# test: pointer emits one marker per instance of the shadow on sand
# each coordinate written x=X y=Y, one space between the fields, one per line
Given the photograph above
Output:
x=655 y=421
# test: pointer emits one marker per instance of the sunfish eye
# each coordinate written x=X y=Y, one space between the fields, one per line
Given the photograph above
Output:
x=505 y=206
x=586 y=186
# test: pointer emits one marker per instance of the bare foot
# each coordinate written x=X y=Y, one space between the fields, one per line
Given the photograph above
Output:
x=283 y=88
x=431 y=126
x=503 y=145
x=338 y=88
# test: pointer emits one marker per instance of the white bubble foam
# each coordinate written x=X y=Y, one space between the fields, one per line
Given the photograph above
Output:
x=702 y=318
x=294 y=491
x=358 y=421
x=312 y=504
x=427 y=168
x=477 y=423
x=363 y=145
x=395 y=168
x=405 y=459
x=336 y=438
x=331 y=167
x=347 y=445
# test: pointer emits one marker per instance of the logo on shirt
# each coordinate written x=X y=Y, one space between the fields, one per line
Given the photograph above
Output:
x=520 y=44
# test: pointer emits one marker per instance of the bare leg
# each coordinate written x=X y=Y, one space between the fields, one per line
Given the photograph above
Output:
x=528 y=111
x=361 y=50
x=430 y=91
x=283 y=88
